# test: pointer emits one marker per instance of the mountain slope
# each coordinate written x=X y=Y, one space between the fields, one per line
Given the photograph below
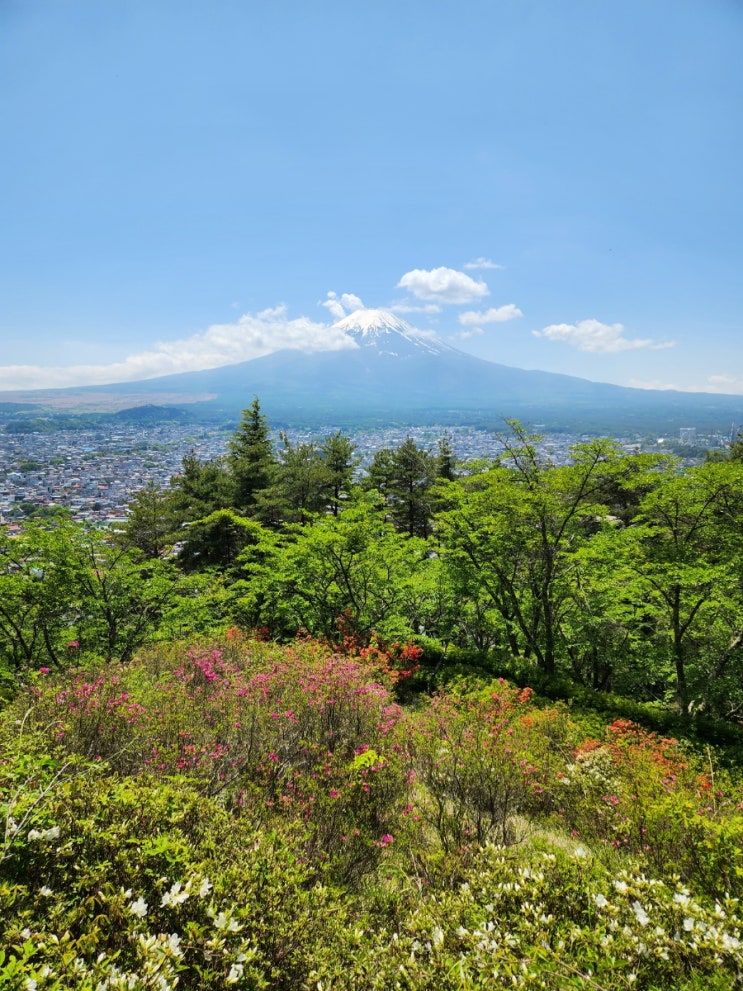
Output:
x=395 y=373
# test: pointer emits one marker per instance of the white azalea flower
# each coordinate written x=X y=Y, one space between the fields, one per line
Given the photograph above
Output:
x=139 y=908
x=640 y=914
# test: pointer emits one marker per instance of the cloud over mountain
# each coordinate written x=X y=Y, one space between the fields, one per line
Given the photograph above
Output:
x=443 y=285
x=597 y=337
x=496 y=314
x=251 y=336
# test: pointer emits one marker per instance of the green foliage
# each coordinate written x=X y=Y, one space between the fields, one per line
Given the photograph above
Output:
x=66 y=592
x=353 y=566
x=251 y=815
x=251 y=459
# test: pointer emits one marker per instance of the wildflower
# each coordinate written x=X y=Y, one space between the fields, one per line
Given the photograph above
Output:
x=688 y=924
x=600 y=900
x=640 y=914
x=621 y=886
x=175 y=896
x=45 y=892
x=139 y=908
x=174 y=945
x=204 y=888
x=30 y=984
x=224 y=921
x=44 y=670
x=236 y=972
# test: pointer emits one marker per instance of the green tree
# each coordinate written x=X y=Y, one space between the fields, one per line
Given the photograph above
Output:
x=66 y=591
x=151 y=521
x=508 y=537
x=339 y=461
x=353 y=566
x=446 y=459
x=405 y=478
x=120 y=598
x=38 y=602
x=678 y=584
x=251 y=460
x=297 y=492
x=200 y=488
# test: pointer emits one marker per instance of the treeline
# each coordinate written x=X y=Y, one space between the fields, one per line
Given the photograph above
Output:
x=621 y=572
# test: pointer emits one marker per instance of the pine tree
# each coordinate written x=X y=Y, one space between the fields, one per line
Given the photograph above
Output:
x=251 y=459
x=338 y=455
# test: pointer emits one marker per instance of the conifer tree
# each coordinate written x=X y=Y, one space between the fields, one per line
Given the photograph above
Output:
x=251 y=459
x=338 y=455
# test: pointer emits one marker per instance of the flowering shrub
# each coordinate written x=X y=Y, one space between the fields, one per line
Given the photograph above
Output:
x=272 y=731
x=148 y=885
x=538 y=917
x=476 y=758
x=203 y=817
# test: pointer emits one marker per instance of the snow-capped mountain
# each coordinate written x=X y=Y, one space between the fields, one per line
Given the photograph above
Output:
x=393 y=372
x=385 y=331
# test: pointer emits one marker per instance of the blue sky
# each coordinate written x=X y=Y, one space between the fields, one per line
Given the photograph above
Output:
x=546 y=184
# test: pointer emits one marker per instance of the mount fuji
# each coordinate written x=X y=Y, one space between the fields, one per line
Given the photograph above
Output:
x=389 y=372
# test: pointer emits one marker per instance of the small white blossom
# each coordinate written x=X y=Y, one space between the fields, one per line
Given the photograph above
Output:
x=640 y=914
x=30 y=984
x=139 y=908
x=45 y=892
x=688 y=924
x=600 y=900
x=224 y=921
x=204 y=888
x=174 y=945
x=621 y=886
x=175 y=896
x=236 y=972
x=681 y=899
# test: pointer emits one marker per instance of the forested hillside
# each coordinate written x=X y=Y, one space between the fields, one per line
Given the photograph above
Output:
x=439 y=726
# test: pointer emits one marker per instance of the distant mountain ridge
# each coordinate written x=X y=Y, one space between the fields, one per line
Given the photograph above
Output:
x=395 y=373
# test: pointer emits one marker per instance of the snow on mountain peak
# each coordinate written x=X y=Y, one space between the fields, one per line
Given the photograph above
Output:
x=382 y=329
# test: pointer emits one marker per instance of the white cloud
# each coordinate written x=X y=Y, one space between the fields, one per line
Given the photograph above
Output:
x=443 y=285
x=412 y=308
x=251 y=336
x=658 y=386
x=732 y=384
x=348 y=302
x=480 y=263
x=600 y=338
x=495 y=314
x=464 y=335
